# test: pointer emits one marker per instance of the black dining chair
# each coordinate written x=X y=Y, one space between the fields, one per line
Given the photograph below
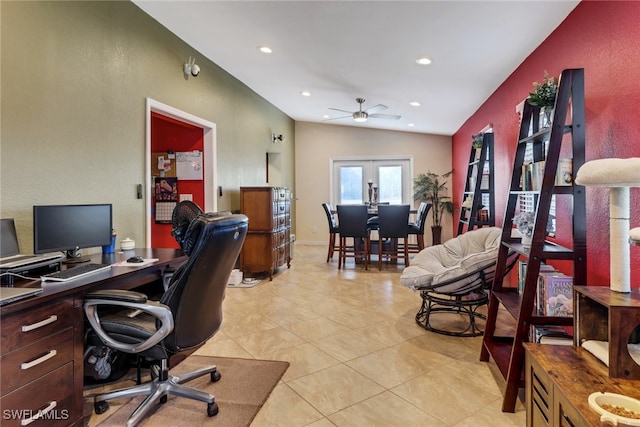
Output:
x=333 y=230
x=353 y=224
x=393 y=223
x=417 y=228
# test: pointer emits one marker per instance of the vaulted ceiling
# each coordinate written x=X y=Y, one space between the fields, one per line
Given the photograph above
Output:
x=338 y=51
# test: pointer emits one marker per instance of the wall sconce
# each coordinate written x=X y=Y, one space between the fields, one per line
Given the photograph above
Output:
x=191 y=68
x=277 y=139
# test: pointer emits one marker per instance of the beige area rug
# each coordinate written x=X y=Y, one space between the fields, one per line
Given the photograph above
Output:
x=240 y=393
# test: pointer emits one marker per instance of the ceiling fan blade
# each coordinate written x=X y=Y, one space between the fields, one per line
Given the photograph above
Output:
x=376 y=108
x=344 y=111
x=385 y=116
x=341 y=117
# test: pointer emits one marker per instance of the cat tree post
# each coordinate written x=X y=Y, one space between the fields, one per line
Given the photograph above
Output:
x=618 y=175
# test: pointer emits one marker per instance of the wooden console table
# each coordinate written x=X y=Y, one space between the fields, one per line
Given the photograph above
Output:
x=559 y=380
x=42 y=341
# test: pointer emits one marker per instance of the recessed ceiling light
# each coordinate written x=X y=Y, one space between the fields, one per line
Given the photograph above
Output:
x=305 y=93
x=326 y=116
x=415 y=104
x=265 y=49
x=423 y=61
x=411 y=125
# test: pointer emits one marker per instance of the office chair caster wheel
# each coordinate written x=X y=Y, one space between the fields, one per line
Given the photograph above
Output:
x=215 y=376
x=163 y=398
x=101 y=407
x=212 y=409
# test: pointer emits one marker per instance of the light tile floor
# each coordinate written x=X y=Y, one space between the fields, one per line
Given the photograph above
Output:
x=357 y=356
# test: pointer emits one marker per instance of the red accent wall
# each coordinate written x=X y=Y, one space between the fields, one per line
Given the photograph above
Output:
x=603 y=37
x=168 y=134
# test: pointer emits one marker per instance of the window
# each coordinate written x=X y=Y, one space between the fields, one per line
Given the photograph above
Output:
x=390 y=181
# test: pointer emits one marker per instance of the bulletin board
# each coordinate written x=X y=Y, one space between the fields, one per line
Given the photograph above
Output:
x=163 y=164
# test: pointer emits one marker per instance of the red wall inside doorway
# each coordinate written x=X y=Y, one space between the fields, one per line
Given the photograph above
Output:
x=168 y=134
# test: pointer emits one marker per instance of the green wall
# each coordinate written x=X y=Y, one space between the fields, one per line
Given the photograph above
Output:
x=74 y=80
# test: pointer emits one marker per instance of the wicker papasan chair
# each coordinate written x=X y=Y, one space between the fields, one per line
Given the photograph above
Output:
x=454 y=277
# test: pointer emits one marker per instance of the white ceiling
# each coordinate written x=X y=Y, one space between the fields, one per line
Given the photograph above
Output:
x=341 y=50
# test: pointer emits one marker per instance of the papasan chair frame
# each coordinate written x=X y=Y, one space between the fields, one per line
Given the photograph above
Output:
x=456 y=289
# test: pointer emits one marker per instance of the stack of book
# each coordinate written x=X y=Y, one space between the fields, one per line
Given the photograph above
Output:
x=550 y=334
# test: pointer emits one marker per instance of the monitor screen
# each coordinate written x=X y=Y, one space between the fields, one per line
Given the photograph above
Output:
x=71 y=227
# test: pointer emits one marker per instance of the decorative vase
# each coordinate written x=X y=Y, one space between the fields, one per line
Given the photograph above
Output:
x=546 y=116
x=526 y=242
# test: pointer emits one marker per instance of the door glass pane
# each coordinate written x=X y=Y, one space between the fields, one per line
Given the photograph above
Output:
x=390 y=187
x=351 y=185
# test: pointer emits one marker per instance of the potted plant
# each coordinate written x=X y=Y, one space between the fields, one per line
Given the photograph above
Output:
x=476 y=143
x=544 y=96
x=432 y=188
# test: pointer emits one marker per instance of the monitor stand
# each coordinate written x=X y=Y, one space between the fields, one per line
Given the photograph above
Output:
x=74 y=257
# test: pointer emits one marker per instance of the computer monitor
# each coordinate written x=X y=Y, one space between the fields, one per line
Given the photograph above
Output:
x=71 y=227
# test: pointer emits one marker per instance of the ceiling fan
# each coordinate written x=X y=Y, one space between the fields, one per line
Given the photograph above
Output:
x=361 y=116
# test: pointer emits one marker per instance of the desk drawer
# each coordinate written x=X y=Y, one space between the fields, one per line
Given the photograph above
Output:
x=30 y=362
x=28 y=326
x=49 y=396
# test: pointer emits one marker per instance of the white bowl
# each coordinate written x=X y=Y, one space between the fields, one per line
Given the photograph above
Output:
x=599 y=398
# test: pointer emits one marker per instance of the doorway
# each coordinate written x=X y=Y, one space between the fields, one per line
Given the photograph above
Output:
x=156 y=233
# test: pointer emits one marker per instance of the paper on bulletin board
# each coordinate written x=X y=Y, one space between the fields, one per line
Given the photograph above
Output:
x=163 y=164
x=189 y=165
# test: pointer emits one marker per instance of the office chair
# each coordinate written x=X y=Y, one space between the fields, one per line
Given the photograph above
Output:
x=187 y=315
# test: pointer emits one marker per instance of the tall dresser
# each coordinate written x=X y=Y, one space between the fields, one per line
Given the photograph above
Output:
x=268 y=242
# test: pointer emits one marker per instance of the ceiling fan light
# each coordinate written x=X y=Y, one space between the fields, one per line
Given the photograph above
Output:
x=360 y=116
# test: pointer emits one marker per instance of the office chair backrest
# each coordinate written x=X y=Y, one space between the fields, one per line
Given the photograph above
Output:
x=197 y=289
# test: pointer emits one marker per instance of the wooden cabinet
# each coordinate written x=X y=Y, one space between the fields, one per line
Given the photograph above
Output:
x=559 y=381
x=544 y=144
x=39 y=367
x=479 y=188
x=268 y=242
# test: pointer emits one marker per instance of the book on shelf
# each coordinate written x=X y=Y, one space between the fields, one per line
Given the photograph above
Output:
x=522 y=272
x=549 y=334
x=564 y=174
x=555 y=294
x=537 y=173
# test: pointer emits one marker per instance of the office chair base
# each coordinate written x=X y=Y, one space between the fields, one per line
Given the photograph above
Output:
x=158 y=390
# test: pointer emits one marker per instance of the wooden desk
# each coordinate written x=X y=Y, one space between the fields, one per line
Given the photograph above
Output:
x=42 y=340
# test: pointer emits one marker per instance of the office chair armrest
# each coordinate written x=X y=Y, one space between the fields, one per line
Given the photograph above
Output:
x=128 y=300
x=117 y=295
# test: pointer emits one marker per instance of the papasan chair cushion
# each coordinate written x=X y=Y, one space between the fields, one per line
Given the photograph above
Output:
x=456 y=258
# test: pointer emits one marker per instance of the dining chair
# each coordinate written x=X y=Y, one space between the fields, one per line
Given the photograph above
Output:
x=393 y=223
x=333 y=229
x=353 y=224
x=417 y=228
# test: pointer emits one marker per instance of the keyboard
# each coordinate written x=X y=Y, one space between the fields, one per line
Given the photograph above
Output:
x=75 y=272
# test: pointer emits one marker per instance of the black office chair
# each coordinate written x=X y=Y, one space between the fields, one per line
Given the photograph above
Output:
x=187 y=315
x=393 y=223
x=333 y=230
x=353 y=224
x=417 y=228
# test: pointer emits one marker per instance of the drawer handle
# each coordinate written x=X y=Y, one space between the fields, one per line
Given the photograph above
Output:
x=40 y=324
x=39 y=414
x=39 y=360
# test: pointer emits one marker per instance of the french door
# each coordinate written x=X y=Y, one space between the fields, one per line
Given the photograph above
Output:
x=390 y=180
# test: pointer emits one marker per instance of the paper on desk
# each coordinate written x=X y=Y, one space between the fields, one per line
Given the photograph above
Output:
x=146 y=261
